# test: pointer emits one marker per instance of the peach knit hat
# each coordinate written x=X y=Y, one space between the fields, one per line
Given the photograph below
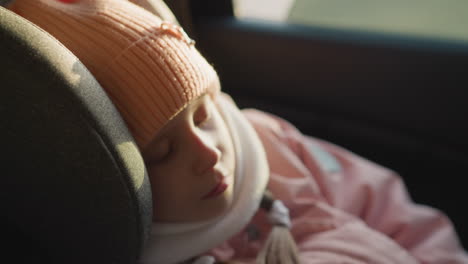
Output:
x=149 y=68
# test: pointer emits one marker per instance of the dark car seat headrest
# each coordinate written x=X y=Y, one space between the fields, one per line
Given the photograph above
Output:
x=74 y=184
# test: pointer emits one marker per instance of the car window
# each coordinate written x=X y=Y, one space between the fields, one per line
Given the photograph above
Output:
x=272 y=10
x=432 y=18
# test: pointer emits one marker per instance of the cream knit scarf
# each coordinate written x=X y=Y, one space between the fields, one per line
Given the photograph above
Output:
x=174 y=243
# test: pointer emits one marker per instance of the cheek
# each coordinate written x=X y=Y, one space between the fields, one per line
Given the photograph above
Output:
x=169 y=185
x=162 y=184
x=165 y=196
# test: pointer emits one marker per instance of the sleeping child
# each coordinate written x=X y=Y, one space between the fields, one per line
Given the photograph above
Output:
x=231 y=185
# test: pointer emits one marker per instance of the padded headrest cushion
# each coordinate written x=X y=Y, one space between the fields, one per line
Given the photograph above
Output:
x=73 y=180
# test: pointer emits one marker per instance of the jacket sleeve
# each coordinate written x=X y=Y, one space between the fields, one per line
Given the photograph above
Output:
x=376 y=195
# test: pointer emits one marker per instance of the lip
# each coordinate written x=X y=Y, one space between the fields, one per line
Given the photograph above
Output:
x=219 y=188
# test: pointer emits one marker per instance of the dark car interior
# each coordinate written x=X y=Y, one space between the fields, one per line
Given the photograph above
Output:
x=76 y=189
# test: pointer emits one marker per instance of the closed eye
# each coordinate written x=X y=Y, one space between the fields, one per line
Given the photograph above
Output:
x=159 y=152
x=201 y=115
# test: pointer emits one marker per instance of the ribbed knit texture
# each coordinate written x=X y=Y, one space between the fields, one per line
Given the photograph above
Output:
x=149 y=70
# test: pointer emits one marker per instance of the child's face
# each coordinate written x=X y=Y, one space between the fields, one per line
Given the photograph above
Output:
x=190 y=164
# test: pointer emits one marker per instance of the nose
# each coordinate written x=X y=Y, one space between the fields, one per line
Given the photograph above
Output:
x=206 y=153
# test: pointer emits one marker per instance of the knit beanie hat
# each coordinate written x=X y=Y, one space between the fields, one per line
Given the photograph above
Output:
x=149 y=68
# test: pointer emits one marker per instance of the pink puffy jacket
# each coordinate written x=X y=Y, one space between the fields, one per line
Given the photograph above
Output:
x=344 y=209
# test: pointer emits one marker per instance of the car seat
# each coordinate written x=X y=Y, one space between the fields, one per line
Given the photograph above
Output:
x=75 y=188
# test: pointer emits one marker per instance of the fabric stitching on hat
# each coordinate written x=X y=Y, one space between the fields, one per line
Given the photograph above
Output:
x=145 y=83
x=163 y=93
x=195 y=83
x=118 y=87
x=129 y=96
x=180 y=70
x=149 y=34
x=157 y=49
x=137 y=28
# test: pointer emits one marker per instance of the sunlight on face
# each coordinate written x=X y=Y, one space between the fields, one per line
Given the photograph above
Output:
x=191 y=164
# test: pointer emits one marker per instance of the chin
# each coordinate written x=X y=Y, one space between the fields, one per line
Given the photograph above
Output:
x=218 y=206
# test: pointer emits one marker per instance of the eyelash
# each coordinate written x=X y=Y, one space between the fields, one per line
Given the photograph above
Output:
x=201 y=116
x=164 y=156
x=205 y=116
x=168 y=151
